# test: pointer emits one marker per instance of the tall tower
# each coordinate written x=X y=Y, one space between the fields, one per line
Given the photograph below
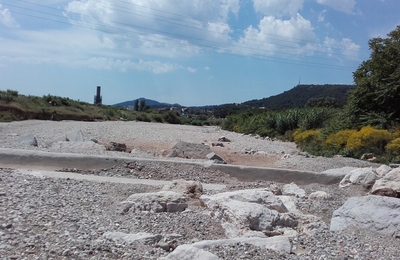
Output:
x=97 y=98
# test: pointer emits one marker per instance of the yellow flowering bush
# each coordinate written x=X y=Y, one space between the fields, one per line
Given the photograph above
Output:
x=368 y=139
x=309 y=141
x=393 y=147
x=307 y=136
x=338 y=140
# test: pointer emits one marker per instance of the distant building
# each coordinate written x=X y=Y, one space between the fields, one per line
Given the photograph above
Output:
x=97 y=98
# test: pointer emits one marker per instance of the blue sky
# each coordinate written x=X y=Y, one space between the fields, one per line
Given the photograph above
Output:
x=193 y=52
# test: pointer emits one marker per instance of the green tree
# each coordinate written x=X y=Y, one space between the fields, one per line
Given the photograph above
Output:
x=376 y=99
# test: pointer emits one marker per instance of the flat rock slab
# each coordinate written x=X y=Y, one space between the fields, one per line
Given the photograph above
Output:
x=190 y=150
x=142 y=237
x=375 y=213
x=75 y=136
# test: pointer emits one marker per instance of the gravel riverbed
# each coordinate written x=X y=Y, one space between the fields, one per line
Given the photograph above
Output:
x=46 y=218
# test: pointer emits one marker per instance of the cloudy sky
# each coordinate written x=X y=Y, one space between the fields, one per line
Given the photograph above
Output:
x=191 y=52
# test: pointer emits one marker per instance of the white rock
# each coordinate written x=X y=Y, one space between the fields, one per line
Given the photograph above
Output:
x=259 y=196
x=293 y=189
x=375 y=213
x=75 y=136
x=389 y=185
x=279 y=244
x=360 y=176
x=382 y=170
x=363 y=176
x=162 y=201
x=29 y=140
x=241 y=211
x=189 y=252
x=120 y=237
x=290 y=203
x=319 y=195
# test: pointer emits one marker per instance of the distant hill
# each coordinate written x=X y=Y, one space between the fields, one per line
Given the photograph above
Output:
x=298 y=96
x=149 y=102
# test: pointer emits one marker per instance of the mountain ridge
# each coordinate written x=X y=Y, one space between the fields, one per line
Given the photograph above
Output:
x=296 y=97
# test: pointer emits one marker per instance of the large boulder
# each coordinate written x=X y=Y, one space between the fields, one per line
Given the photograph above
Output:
x=245 y=212
x=190 y=150
x=294 y=190
x=359 y=176
x=257 y=196
x=375 y=213
x=198 y=251
x=215 y=158
x=75 y=136
x=189 y=252
x=389 y=185
x=162 y=201
x=382 y=170
x=28 y=140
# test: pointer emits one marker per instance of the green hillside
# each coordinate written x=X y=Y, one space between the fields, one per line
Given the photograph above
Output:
x=298 y=96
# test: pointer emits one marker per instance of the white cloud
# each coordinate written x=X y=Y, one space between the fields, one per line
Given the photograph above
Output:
x=321 y=16
x=278 y=8
x=157 y=23
x=191 y=70
x=6 y=18
x=273 y=35
x=345 y=6
x=156 y=67
x=345 y=47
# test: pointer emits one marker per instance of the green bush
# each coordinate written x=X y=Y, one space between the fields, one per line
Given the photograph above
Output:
x=157 y=118
x=287 y=120
x=6 y=117
x=171 y=118
x=314 y=118
x=143 y=117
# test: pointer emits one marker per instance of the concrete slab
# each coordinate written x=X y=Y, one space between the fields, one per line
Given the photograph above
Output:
x=31 y=159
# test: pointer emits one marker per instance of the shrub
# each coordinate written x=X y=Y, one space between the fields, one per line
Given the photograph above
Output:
x=157 y=118
x=309 y=141
x=171 y=118
x=393 y=147
x=338 y=141
x=196 y=122
x=7 y=97
x=143 y=117
x=368 y=139
x=313 y=118
x=288 y=120
x=13 y=93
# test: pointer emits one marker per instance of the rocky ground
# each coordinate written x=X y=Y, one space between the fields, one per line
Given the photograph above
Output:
x=45 y=218
x=154 y=140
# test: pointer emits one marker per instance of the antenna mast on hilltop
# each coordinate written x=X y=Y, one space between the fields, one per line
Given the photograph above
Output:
x=299 y=81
